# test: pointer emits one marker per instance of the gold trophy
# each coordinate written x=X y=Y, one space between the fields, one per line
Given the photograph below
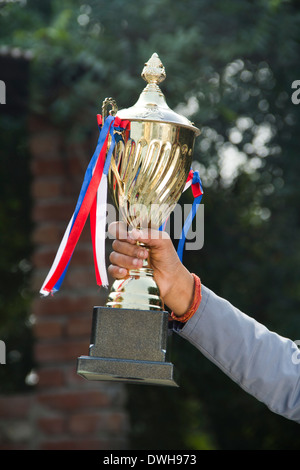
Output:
x=147 y=175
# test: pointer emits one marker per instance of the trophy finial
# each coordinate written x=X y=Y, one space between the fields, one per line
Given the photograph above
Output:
x=154 y=71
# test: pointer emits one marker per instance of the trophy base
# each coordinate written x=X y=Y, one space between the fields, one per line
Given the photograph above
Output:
x=122 y=370
x=128 y=345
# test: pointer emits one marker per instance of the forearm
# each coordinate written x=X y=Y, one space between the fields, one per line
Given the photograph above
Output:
x=258 y=360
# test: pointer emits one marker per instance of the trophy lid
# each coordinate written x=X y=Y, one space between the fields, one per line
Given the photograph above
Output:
x=151 y=105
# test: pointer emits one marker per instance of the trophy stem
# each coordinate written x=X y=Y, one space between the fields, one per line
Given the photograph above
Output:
x=137 y=291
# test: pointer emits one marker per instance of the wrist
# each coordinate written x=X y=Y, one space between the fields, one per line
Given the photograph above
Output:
x=193 y=306
x=181 y=293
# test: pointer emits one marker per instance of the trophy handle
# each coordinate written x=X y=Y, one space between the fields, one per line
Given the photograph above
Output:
x=106 y=103
x=110 y=102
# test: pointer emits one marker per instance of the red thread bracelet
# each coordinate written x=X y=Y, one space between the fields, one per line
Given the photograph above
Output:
x=195 y=304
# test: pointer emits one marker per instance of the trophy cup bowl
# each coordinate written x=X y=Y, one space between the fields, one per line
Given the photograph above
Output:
x=146 y=179
x=147 y=175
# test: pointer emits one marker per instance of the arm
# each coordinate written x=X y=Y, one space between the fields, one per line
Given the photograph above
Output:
x=260 y=361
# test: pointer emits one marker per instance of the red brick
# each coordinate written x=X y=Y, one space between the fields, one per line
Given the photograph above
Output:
x=48 y=329
x=48 y=233
x=37 y=279
x=51 y=232
x=82 y=256
x=70 y=401
x=52 y=425
x=84 y=423
x=60 y=351
x=46 y=144
x=79 y=326
x=45 y=258
x=80 y=444
x=81 y=151
x=51 y=378
x=15 y=406
x=43 y=189
x=53 y=211
x=117 y=422
x=52 y=167
x=61 y=304
x=80 y=277
x=76 y=278
x=73 y=379
x=88 y=423
x=10 y=446
x=85 y=236
x=71 y=167
x=38 y=123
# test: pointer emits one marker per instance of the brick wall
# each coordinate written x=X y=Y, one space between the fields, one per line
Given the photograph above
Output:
x=64 y=411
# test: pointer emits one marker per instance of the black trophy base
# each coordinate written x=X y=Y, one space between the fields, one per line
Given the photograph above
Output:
x=122 y=370
x=128 y=345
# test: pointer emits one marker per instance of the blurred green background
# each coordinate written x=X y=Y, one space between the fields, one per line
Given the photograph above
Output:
x=230 y=67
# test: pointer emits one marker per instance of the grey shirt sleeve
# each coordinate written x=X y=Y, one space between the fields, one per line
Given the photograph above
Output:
x=263 y=363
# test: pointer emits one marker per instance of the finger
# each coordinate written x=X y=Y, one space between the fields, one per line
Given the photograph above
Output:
x=118 y=230
x=116 y=272
x=132 y=250
x=151 y=237
x=124 y=261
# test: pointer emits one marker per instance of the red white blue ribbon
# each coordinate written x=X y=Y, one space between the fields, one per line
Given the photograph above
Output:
x=91 y=201
x=99 y=208
x=193 y=181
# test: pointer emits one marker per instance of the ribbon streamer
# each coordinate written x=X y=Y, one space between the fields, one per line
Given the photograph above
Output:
x=89 y=202
x=194 y=181
x=98 y=219
x=92 y=201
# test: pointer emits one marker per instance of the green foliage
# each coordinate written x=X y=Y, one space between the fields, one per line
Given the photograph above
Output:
x=15 y=249
x=230 y=65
